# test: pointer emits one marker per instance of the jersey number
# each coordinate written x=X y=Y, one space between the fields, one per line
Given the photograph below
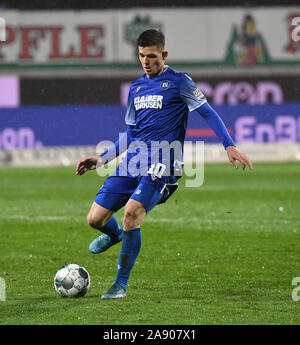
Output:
x=157 y=169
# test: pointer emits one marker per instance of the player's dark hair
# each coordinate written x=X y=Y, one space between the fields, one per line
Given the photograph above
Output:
x=151 y=37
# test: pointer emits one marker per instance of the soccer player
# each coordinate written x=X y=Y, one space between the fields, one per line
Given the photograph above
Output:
x=158 y=106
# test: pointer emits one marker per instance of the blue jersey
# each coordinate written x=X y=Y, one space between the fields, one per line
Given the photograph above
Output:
x=158 y=107
x=156 y=118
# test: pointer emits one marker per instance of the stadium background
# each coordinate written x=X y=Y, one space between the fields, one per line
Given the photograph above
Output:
x=65 y=71
x=229 y=250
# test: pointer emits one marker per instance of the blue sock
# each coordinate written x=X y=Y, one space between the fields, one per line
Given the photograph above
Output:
x=131 y=245
x=112 y=229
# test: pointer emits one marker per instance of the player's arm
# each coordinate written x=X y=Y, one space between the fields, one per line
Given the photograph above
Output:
x=91 y=162
x=120 y=146
x=217 y=125
x=195 y=100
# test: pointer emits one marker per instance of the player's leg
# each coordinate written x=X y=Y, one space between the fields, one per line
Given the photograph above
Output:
x=98 y=216
x=111 y=197
x=131 y=244
x=147 y=194
x=134 y=214
x=132 y=241
x=103 y=219
x=145 y=197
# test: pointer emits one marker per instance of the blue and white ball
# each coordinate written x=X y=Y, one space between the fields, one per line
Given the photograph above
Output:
x=72 y=281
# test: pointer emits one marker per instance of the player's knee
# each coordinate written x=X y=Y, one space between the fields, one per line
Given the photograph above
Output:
x=129 y=223
x=131 y=218
x=94 y=222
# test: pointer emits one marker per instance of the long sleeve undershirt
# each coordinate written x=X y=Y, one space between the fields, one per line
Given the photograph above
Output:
x=215 y=123
x=205 y=110
x=118 y=148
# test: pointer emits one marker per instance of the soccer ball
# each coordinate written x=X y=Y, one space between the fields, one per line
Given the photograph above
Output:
x=72 y=281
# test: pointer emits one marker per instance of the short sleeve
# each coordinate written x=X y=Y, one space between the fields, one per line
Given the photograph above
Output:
x=190 y=94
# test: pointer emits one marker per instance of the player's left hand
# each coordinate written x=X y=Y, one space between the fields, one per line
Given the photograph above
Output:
x=235 y=156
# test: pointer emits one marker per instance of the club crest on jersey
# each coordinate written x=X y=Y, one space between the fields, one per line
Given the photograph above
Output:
x=165 y=84
x=148 y=101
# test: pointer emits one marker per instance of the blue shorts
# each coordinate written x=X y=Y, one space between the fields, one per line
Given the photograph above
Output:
x=117 y=190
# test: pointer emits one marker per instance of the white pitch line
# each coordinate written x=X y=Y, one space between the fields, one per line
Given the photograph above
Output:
x=50 y=218
x=148 y=219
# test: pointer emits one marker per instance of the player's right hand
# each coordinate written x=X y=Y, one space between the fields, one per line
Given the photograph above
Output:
x=87 y=163
x=235 y=156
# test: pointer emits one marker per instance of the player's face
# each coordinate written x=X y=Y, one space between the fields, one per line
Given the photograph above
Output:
x=152 y=60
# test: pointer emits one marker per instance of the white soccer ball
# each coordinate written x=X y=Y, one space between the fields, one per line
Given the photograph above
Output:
x=72 y=281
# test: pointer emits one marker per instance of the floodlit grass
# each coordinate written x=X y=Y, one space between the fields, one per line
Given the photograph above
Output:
x=224 y=253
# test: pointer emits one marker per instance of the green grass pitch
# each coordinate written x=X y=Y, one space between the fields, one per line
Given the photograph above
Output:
x=224 y=253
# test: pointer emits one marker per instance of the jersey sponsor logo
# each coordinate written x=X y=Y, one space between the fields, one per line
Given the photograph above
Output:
x=165 y=84
x=148 y=101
